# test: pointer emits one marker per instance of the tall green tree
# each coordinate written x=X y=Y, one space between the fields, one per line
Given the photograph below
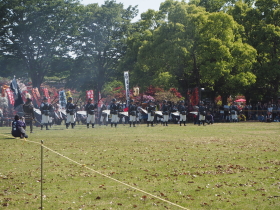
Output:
x=37 y=31
x=102 y=44
x=262 y=31
x=200 y=49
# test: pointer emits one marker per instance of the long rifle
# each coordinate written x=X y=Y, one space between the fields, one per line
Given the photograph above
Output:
x=78 y=100
x=37 y=121
x=54 y=100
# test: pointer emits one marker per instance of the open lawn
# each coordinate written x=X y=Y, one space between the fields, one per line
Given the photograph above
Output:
x=221 y=166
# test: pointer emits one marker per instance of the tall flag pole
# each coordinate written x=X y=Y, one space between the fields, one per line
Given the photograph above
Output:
x=100 y=102
x=126 y=84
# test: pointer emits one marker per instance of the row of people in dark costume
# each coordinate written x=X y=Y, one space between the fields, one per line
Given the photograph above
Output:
x=115 y=111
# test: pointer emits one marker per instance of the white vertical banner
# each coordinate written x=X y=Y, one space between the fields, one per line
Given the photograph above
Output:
x=62 y=99
x=126 y=84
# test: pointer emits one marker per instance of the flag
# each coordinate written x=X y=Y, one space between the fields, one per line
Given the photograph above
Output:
x=46 y=93
x=62 y=99
x=89 y=94
x=100 y=102
x=17 y=93
x=36 y=96
x=10 y=96
x=126 y=84
x=23 y=95
x=4 y=87
x=68 y=94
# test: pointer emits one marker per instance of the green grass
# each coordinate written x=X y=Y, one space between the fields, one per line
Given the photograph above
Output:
x=223 y=166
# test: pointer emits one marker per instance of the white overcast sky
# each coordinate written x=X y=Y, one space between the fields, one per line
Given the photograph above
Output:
x=143 y=5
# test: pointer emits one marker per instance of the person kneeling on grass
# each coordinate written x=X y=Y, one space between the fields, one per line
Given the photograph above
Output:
x=209 y=118
x=18 y=128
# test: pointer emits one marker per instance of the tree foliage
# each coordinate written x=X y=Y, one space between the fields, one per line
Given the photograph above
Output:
x=101 y=44
x=262 y=31
x=197 y=48
x=37 y=31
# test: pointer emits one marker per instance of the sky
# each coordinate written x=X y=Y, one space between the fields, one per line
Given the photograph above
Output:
x=143 y=5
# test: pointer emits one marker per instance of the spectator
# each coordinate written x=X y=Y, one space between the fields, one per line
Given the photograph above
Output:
x=18 y=128
x=277 y=118
x=209 y=118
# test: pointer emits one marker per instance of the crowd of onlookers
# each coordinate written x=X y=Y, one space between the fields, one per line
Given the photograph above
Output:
x=262 y=112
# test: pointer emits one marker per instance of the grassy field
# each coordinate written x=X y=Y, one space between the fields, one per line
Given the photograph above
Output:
x=223 y=166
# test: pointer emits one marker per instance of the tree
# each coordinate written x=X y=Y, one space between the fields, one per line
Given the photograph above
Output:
x=262 y=31
x=210 y=5
x=142 y=32
x=37 y=31
x=199 y=48
x=102 y=44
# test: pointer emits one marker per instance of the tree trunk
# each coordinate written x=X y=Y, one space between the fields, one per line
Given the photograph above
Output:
x=224 y=98
x=37 y=79
x=197 y=77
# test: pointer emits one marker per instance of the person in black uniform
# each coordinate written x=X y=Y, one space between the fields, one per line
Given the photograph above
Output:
x=90 y=109
x=45 y=111
x=114 y=109
x=151 y=113
x=165 y=112
x=70 y=113
x=183 y=113
x=28 y=110
x=103 y=116
x=121 y=116
x=202 y=113
x=132 y=111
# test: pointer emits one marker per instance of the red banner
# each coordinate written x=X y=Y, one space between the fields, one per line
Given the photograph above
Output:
x=194 y=98
x=46 y=94
x=36 y=96
x=89 y=94
x=4 y=87
x=23 y=95
x=10 y=96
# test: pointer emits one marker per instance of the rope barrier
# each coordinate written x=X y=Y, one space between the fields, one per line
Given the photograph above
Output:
x=104 y=175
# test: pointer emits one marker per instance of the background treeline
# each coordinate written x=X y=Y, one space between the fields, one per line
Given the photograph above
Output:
x=228 y=47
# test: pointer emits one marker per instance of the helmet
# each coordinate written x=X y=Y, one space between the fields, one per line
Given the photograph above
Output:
x=164 y=101
x=182 y=101
x=45 y=98
x=90 y=99
x=70 y=98
x=113 y=100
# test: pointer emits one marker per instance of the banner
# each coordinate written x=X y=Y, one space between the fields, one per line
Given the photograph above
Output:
x=62 y=99
x=100 y=102
x=68 y=94
x=90 y=94
x=17 y=93
x=23 y=95
x=195 y=97
x=36 y=96
x=10 y=96
x=46 y=94
x=4 y=87
x=126 y=84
